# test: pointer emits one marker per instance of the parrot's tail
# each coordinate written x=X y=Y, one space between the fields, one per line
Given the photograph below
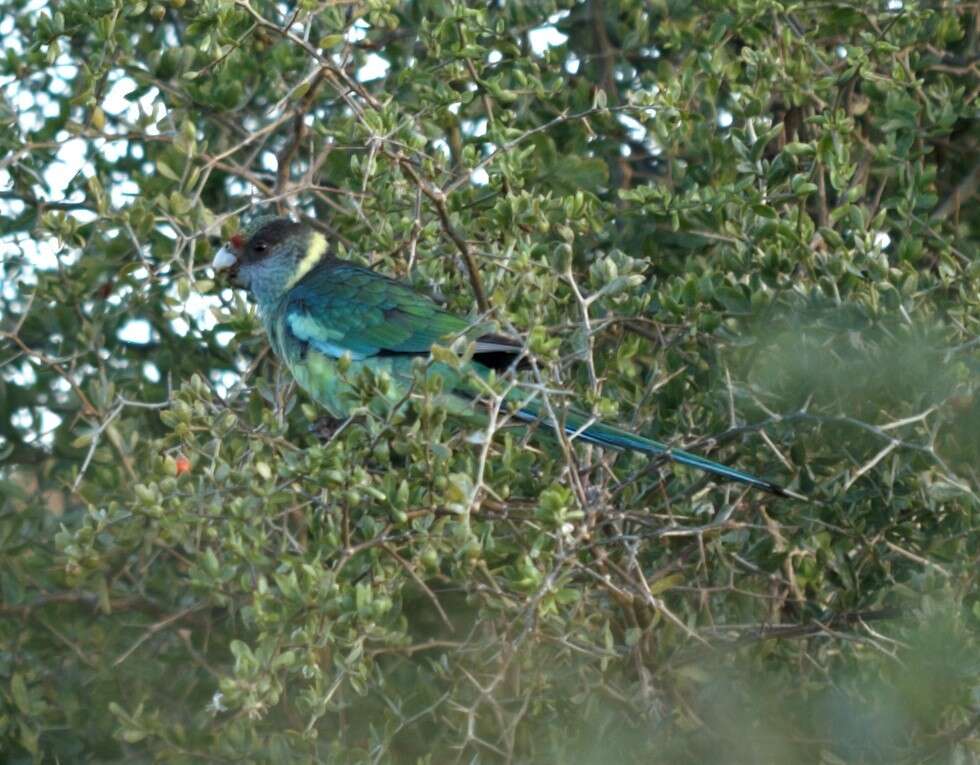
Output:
x=577 y=426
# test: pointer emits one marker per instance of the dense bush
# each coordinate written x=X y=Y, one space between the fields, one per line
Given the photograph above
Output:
x=747 y=227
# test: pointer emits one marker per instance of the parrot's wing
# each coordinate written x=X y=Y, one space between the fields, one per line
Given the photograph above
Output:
x=341 y=308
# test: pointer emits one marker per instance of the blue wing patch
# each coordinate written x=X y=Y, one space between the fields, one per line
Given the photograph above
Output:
x=308 y=330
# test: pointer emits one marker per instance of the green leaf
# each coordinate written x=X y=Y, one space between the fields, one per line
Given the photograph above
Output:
x=166 y=171
x=18 y=691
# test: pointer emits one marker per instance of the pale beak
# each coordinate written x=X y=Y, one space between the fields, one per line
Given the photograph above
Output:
x=224 y=259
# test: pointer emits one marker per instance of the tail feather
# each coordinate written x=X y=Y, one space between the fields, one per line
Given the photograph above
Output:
x=577 y=425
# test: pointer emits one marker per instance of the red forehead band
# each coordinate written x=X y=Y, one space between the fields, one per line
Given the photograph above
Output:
x=237 y=241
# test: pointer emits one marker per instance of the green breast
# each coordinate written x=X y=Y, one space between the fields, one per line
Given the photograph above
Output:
x=318 y=375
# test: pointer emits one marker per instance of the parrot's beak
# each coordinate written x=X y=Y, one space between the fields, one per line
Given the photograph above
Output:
x=224 y=259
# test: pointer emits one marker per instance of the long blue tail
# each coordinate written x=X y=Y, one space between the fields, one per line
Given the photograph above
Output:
x=609 y=436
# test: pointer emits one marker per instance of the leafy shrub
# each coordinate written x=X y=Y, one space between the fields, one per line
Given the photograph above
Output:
x=750 y=227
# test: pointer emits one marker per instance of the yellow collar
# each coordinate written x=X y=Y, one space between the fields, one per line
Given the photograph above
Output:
x=318 y=246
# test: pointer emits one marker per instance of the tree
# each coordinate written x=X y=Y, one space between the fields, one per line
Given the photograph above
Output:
x=746 y=227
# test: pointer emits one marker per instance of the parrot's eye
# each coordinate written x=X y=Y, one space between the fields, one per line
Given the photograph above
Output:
x=260 y=246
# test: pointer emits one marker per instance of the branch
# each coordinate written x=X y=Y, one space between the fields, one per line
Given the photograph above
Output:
x=438 y=197
x=963 y=190
x=285 y=157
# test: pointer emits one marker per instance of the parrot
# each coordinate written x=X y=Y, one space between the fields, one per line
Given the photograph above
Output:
x=327 y=319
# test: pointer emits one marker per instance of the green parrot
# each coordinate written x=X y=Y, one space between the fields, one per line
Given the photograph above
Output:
x=318 y=309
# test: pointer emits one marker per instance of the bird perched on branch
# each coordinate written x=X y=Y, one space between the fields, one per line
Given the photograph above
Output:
x=329 y=319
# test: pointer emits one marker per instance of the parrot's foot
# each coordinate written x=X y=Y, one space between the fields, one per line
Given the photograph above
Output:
x=326 y=427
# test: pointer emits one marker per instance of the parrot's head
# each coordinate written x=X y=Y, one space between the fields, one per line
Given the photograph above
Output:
x=270 y=255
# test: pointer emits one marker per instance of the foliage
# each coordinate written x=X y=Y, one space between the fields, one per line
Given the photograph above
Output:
x=751 y=222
